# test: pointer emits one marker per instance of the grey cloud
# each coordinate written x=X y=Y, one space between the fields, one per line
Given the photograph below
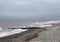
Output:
x=29 y=8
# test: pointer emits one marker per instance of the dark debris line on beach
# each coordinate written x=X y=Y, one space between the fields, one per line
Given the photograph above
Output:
x=23 y=36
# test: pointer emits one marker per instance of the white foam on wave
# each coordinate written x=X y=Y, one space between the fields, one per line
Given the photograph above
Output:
x=4 y=34
x=0 y=28
x=43 y=24
x=38 y=24
x=18 y=31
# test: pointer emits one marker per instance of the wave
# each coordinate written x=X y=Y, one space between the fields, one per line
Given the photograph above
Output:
x=42 y=24
x=36 y=24
x=4 y=34
x=0 y=28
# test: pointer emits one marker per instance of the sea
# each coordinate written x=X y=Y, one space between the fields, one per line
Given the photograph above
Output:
x=6 y=24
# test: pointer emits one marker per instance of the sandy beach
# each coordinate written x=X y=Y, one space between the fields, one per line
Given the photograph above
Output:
x=52 y=34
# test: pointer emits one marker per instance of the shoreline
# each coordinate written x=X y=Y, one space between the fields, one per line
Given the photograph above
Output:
x=22 y=37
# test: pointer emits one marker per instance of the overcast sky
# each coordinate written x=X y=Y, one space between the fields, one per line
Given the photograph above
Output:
x=29 y=9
